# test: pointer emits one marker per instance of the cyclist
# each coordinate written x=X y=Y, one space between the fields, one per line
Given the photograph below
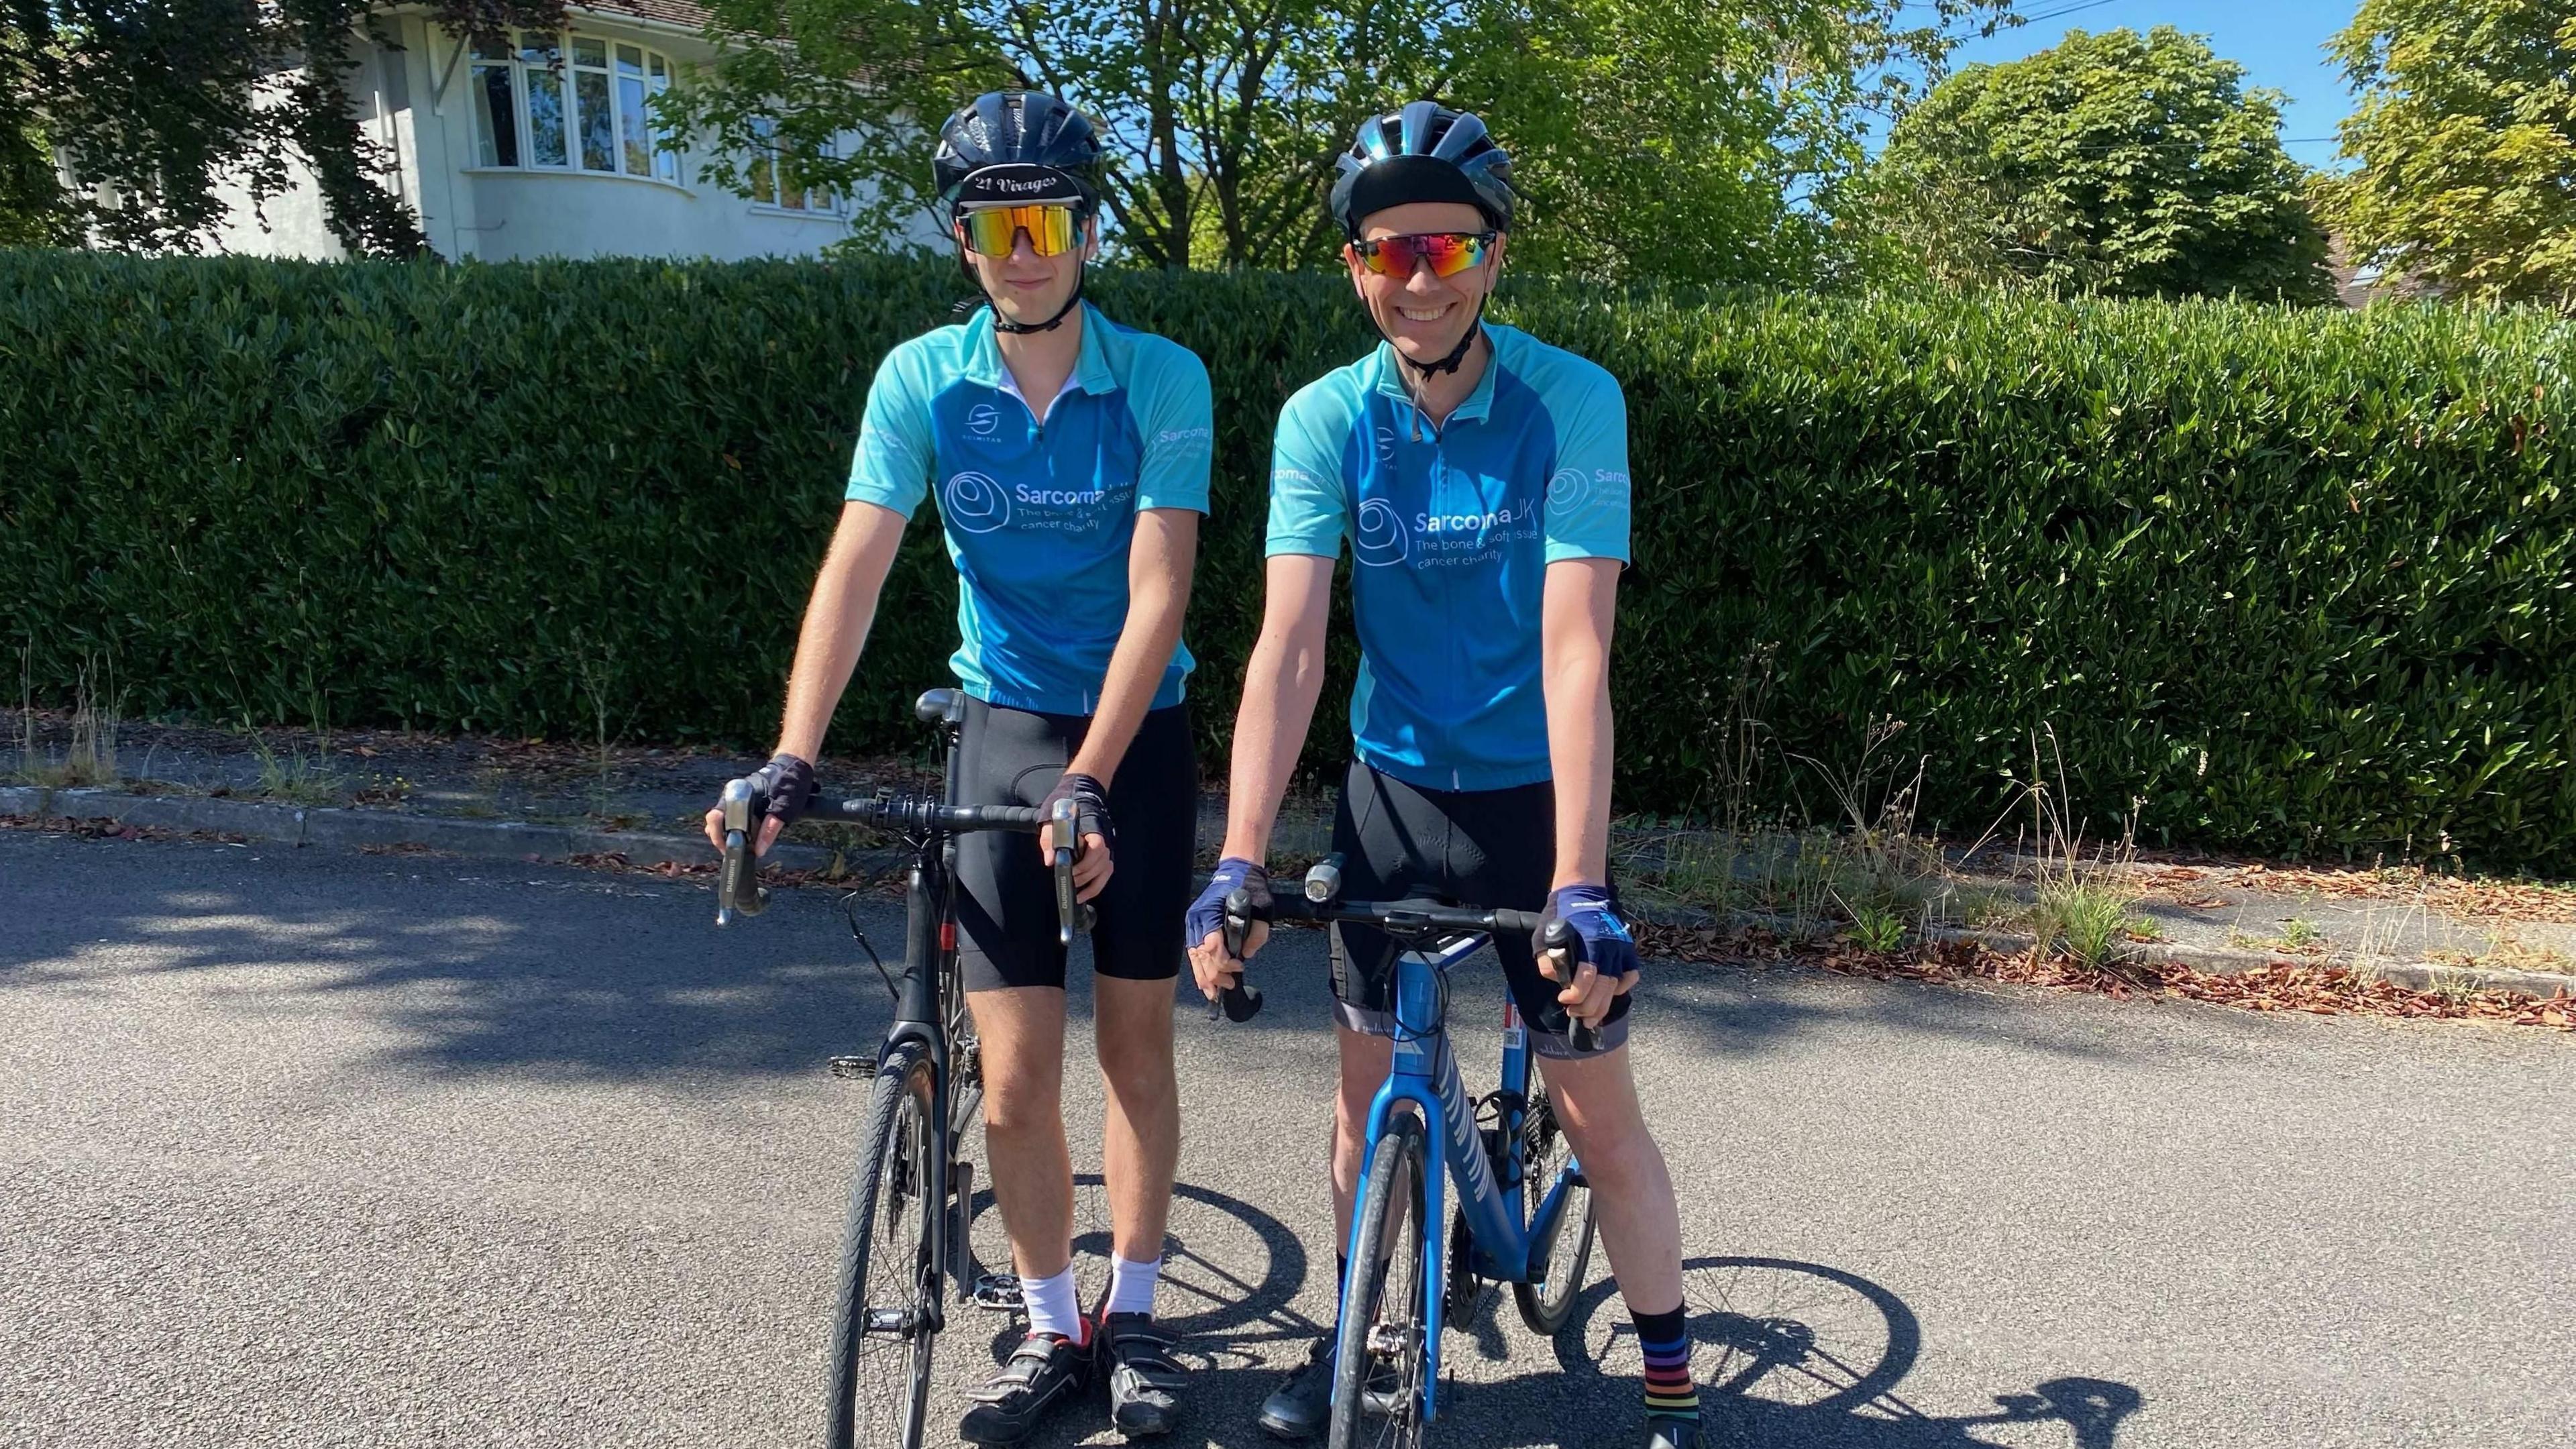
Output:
x=1071 y=457
x=1480 y=479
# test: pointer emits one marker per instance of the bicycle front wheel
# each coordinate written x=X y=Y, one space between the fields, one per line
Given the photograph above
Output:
x=1382 y=1350
x=1545 y=1306
x=887 y=1303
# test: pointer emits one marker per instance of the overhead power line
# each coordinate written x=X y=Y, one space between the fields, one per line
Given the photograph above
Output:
x=2066 y=10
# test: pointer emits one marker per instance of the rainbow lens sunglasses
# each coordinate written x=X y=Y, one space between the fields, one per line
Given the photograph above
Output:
x=1447 y=252
x=1053 y=229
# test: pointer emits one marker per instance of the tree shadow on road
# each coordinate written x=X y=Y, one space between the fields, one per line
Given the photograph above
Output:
x=1788 y=1355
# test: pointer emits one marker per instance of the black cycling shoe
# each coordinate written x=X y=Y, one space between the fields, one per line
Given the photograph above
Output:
x=1664 y=1433
x=1144 y=1382
x=1298 y=1409
x=1043 y=1371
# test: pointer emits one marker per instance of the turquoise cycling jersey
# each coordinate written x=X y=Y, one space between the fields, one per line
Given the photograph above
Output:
x=1451 y=530
x=1039 y=498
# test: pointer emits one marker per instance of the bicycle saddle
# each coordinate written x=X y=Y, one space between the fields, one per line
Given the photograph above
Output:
x=938 y=705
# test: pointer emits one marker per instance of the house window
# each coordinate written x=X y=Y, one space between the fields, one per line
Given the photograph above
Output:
x=572 y=103
x=774 y=181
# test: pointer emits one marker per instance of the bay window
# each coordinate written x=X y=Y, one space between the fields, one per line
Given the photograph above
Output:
x=574 y=102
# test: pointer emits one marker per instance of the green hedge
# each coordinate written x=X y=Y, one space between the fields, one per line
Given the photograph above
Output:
x=2294 y=580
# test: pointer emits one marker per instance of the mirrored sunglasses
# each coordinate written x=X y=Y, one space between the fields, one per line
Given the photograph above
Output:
x=1052 y=229
x=1447 y=252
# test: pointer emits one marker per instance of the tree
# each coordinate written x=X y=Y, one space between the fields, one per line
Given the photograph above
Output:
x=34 y=211
x=2111 y=163
x=2466 y=135
x=151 y=106
x=1679 y=141
x=1694 y=143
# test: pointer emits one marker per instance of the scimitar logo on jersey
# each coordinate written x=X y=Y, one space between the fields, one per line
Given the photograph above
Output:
x=983 y=420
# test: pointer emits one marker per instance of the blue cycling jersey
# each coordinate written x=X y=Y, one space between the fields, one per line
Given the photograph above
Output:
x=1039 y=498
x=1451 y=530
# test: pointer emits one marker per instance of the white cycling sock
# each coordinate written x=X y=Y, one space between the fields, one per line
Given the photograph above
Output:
x=1052 y=1306
x=1131 y=1285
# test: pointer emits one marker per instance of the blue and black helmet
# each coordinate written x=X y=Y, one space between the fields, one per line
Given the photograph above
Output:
x=1425 y=152
x=1020 y=148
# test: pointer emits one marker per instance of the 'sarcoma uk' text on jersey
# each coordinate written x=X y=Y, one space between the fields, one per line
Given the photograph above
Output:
x=1039 y=499
x=1451 y=530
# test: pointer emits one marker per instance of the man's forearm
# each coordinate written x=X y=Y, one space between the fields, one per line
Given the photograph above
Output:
x=1578 y=747
x=1158 y=598
x=1581 y=598
x=1280 y=683
x=837 y=616
x=1280 y=686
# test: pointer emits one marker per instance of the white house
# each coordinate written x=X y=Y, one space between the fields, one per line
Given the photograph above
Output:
x=543 y=148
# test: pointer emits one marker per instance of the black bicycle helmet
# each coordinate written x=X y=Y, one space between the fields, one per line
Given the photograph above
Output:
x=1425 y=152
x=1018 y=147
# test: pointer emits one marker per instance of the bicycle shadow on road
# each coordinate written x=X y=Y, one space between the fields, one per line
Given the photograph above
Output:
x=1787 y=1354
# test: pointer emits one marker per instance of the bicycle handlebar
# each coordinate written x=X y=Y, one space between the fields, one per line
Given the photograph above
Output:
x=738 y=887
x=1410 y=918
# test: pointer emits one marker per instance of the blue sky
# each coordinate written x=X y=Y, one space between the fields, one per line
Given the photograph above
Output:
x=2279 y=42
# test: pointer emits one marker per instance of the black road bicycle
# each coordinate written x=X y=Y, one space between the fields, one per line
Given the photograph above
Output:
x=911 y=1201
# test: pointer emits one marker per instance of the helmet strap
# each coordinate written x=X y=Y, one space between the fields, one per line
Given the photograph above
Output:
x=1002 y=324
x=1457 y=354
x=1417 y=375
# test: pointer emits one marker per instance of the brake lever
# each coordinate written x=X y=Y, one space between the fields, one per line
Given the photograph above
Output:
x=1237 y=1001
x=738 y=887
x=1071 y=915
x=1557 y=939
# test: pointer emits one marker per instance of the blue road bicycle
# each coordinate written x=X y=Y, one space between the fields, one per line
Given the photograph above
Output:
x=1403 y=1286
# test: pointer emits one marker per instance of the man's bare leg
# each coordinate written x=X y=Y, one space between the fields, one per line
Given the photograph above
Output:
x=1141 y=1133
x=1022 y=1030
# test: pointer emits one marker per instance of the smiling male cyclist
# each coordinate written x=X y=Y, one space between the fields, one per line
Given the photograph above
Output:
x=1071 y=459
x=1480 y=480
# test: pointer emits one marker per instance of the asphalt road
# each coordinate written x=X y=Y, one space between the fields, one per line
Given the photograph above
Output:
x=344 y=1150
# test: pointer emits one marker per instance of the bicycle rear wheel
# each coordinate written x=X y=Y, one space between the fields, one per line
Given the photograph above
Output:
x=1546 y=1305
x=887 y=1303
x=1382 y=1352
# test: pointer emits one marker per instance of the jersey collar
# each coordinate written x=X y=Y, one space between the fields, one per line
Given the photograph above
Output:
x=1091 y=370
x=1480 y=402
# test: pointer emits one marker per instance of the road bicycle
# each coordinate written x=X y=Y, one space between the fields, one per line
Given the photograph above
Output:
x=907 y=1239
x=1403 y=1286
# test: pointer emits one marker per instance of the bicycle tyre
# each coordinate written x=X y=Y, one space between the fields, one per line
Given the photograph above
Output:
x=1391 y=1228
x=880 y=1391
x=1546 y=1306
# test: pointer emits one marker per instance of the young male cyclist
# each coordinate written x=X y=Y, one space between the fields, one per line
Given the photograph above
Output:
x=1480 y=479
x=1070 y=457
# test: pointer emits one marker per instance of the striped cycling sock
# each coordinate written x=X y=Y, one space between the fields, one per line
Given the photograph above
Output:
x=1665 y=1338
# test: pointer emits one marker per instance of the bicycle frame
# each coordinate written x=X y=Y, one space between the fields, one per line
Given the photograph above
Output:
x=1425 y=1076
x=927 y=994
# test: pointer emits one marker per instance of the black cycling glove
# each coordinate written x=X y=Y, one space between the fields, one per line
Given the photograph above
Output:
x=1090 y=808
x=788 y=783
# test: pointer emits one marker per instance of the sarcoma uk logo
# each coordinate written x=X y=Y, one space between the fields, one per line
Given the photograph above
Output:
x=1381 y=539
x=974 y=503
x=1570 y=488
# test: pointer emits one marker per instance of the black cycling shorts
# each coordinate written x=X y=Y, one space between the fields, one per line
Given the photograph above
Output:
x=1006 y=916
x=1490 y=848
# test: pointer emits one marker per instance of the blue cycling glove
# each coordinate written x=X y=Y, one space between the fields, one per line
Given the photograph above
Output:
x=1594 y=916
x=1207 y=913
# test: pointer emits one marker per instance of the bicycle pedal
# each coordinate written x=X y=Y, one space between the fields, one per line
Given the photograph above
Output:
x=998 y=1293
x=854 y=1067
